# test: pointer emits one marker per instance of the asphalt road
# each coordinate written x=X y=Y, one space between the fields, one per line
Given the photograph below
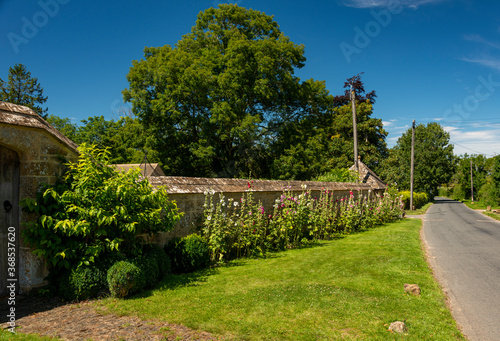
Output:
x=464 y=250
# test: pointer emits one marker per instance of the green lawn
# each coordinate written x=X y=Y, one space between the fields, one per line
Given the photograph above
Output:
x=349 y=288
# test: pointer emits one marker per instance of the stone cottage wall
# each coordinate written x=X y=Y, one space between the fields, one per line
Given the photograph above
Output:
x=42 y=150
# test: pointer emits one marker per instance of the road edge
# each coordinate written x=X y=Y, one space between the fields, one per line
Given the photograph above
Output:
x=449 y=298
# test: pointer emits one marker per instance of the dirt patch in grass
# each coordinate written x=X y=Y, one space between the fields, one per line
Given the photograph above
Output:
x=87 y=321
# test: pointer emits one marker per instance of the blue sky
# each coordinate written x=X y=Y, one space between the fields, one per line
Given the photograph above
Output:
x=428 y=60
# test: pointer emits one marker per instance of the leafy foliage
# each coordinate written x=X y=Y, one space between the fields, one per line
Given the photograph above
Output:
x=321 y=138
x=125 y=278
x=188 y=254
x=339 y=175
x=83 y=283
x=96 y=210
x=434 y=160
x=126 y=139
x=157 y=253
x=211 y=97
x=150 y=271
x=419 y=199
x=65 y=126
x=480 y=170
x=226 y=102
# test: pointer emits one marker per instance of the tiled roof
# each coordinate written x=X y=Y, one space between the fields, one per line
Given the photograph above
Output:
x=367 y=176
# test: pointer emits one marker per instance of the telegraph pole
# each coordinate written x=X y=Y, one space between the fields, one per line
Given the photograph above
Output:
x=471 y=183
x=412 y=163
x=354 y=128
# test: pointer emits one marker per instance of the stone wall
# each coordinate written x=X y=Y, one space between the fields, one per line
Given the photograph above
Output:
x=189 y=194
x=42 y=150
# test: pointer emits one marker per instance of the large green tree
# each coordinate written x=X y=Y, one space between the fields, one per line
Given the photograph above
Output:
x=434 y=159
x=216 y=100
x=126 y=138
x=480 y=170
x=64 y=125
x=23 y=89
x=322 y=139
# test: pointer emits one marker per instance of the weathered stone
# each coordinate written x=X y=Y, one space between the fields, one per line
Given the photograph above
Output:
x=413 y=289
x=40 y=148
x=398 y=327
x=488 y=208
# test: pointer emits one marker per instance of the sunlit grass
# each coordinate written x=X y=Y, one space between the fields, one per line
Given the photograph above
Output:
x=7 y=335
x=421 y=210
x=349 y=288
x=478 y=205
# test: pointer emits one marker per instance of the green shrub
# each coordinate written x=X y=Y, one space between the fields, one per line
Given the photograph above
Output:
x=445 y=191
x=458 y=193
x=489 y=194
x=419 y=199
x=124 y=278
x=163 y=261
x=82 y=283
x=188 y=254
x=149 y=270
x=94 y=211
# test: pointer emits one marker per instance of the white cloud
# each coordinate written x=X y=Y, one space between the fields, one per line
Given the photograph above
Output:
x=389 y=123
x=386 y=3
x=488 y=62
x=476 y=38
x=474 y=138
x=484 y=141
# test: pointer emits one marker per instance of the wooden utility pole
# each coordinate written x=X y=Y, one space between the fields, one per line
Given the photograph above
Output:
x=471 y=183
x=412 y=163
x=354 y=128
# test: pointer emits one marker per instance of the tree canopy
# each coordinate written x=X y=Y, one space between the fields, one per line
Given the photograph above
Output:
x=224 y=101
x=23 y=89
x=434 y=159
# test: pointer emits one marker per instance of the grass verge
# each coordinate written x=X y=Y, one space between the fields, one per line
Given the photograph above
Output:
x=350 y=288
x=478 y=205
x=492 y=215
x=421 y=210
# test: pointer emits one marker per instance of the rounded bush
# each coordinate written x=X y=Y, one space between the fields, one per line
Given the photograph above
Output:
x=419 y=199
x=149 y=271
x=82 y=283
x=124 y=278
x=156 y=252
x=188 y=254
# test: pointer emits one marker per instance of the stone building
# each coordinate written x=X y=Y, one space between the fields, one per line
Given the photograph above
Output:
x=32 y=152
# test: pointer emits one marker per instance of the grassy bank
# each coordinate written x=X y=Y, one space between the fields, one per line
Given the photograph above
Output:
x=478 y=205
x=349 y=288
